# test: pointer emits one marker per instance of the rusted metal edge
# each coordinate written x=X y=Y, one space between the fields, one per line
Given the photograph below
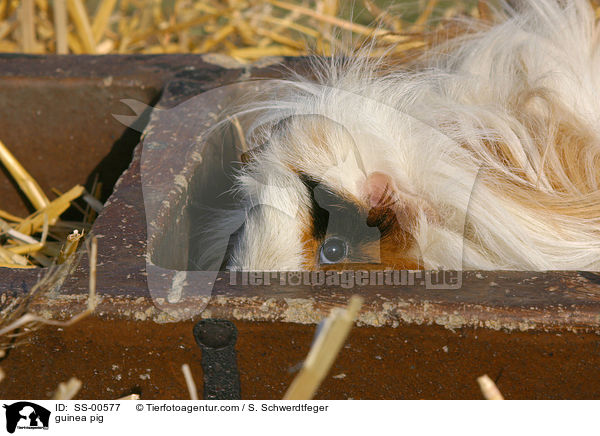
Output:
x=376 y=312
x=156 y=67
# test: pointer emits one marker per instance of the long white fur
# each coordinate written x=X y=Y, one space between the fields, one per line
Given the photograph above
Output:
x=429 y=131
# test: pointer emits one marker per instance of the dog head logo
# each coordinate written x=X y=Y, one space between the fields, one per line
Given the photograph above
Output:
x=26 y=415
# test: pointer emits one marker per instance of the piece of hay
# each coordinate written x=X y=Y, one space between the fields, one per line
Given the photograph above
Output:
x=54 y=209
x=156 y=26
x=18 y=246
x=101 y=18
x=324 y=351
x=67 y=390
x=27 y=18
x=15 y=320
x=130 y=397
x=26 y=183
x=82 y=24
x=489 y=389
x=189 y=381
x=70 y=246
x=60 y=26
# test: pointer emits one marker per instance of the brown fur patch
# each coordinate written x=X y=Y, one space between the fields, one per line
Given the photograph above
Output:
x=311 y=250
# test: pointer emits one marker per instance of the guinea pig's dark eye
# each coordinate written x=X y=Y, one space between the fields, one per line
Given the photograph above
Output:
x=333 y=250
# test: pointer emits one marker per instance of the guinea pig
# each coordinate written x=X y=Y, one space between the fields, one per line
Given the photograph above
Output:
x=486 y=156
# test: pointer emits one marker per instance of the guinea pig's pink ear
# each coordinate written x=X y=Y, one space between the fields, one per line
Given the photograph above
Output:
x=390 y=207
x=379 y=189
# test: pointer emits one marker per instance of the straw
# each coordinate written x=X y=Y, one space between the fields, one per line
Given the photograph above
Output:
x=26 y=183
x=244 y=30
x=101 y=18
x=130 y=397
x=54 y=209
x=21 y=249
x=28 y=43
x=291 y=25
x=68 y=390
x=324 y=351
x=420 y=22
x=82 y=24
x=15 y=234
x=338 y=22
x=8 y=256
x=60 y=26
x=274 y=36
x=260 y=52
x=216 y=38
x=489 y=389
x=70 y=246
x=10 y=217
x=19 y=317
x=14 y=265
x=189 y=381
x=3 y=8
